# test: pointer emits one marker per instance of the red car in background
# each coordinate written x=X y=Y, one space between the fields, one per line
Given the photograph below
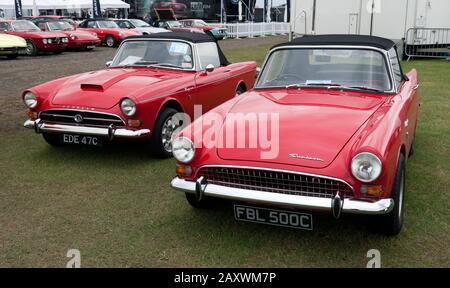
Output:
x=342 y=117
x=179 y=9
x=67 y=19
x=78 y=39
x=37 y=40
x=107 y=31
x=152 y=80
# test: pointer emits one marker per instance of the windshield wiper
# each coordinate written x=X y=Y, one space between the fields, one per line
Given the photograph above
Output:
x=312 y=85
x=365 y=88
x=165 y=65
x=137 y=64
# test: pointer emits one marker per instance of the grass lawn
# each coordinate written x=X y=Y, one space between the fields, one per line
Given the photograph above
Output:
x=115 y=205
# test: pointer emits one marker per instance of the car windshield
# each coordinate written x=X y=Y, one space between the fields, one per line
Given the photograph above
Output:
x=174 y=24
x=166 y=54
x=107 y=24
x=342 y=68
x=139 y=23
x=60 y=26
x=24 y=26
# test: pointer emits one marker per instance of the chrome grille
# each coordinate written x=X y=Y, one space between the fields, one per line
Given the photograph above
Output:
x=274 y=181
x=94 y=119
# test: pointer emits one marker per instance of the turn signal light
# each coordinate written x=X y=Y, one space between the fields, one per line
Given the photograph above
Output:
x=134 y=123
x=184 y=170
x=32 y=115
x=372 y=190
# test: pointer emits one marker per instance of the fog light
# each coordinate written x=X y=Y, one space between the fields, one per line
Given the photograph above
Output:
x=32 y=115
x=372 y=190
x=184 y=170
x=134 y=123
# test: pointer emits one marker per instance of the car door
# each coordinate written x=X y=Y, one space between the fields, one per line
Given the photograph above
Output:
x=408 y=93
x=216 y=87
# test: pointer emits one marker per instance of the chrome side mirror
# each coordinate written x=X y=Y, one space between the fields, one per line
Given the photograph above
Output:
x=258 y=71
x=209 y=68
x=108 y=64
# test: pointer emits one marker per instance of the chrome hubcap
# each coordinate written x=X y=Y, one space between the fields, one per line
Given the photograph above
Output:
x=110 y=41
x=167 y=133
x=29 y=49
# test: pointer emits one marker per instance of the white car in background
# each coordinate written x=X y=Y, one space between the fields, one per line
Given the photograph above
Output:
x=139 y=25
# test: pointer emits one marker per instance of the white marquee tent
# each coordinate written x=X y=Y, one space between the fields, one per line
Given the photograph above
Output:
x=64 y=4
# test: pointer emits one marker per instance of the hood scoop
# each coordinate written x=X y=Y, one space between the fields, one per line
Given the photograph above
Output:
x=92 y=87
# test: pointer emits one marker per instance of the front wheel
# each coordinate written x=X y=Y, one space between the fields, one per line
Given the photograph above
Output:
x=13 y=56
x=240 y=90
x=392 y=223
x=52 y=139
x=165 y=126
x=31 y=49
x=202 y=204
x=110 y=41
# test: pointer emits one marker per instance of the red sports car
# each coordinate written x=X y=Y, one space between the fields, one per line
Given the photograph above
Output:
x=37 y=40
x=141 y=94
x=77 y=39
x=328 y=127
x=107 y=30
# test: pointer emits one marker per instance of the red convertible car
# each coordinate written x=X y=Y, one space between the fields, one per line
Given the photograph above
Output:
x=37 y=40
x=107 y=30
x=150 y=81
x=343 y=118
x=77 y=39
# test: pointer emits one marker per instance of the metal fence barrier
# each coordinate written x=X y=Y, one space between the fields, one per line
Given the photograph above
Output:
x=427 y=42
x=242 y=30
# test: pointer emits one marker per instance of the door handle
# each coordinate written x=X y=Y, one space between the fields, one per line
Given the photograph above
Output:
x=187 y=89
x=416 y=87
x=227 y=71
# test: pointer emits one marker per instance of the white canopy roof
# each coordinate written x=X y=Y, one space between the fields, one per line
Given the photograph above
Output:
x=64 y=4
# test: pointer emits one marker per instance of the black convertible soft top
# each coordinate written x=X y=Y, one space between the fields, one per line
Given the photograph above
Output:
x=185 y=36
x=189 y=37
x=341 y=39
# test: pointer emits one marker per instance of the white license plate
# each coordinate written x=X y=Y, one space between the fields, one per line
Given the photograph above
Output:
x=81 y=139
x=90 y=47
x=273 y=217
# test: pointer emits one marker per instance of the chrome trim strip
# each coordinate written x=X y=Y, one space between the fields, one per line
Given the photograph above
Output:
x=380 y=207
x=82 y=110
x=383 y=52
x=278 y=170
x=40 y=126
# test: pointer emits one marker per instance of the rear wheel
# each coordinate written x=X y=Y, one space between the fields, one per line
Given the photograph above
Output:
x=240 y=90
x=52 y=139
x=110 y=41
x=392 y=223
x=31 y=49
x=165 y=126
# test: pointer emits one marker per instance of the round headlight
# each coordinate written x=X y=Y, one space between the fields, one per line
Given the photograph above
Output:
x=183 y=149
x=30 y=100
x=366 y=167
x=45 y=41
x=128 y=107
x=120 y=34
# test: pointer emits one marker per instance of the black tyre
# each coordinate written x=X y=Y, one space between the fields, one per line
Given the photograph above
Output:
x=166 y=124
x=205 y=203
x=411 y=150
x=391 y=224
x=110 y=41
x=52 y=139
x=240 y=90
x=13 y=56
x=31 y=49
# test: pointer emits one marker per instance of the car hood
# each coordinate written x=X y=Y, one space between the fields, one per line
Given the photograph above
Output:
x=314 y=125
x=44 y=34
x=7 y=41
x=105 y=88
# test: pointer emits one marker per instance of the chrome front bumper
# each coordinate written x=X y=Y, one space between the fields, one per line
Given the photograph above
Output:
x=350 y=206
x=111 y=132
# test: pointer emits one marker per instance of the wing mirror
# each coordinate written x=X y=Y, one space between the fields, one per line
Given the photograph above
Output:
x=258 y=71
x=109 y=63
x=209 y=68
